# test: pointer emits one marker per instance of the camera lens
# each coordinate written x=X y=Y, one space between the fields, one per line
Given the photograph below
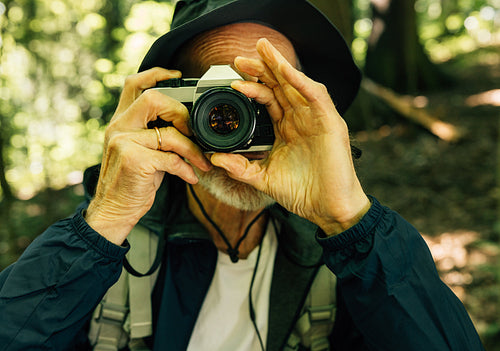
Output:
x=224 y=118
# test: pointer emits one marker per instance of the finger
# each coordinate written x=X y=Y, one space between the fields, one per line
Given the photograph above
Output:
x=277 y=64
x=240 y=168
x=173 y=141
x=262 y=94
x=262 y=72
x=137 y=83
x=153 y=104
x=256 y=68
x=314 y=92
x=183 y=146
x=173 y=164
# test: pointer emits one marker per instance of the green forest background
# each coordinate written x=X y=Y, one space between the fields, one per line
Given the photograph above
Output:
x=426 y=118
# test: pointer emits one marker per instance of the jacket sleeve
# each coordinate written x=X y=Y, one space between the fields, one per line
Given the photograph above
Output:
x=49 y=293
x=391 y=287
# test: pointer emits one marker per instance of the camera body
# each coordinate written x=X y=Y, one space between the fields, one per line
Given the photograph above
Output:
x=222 y=119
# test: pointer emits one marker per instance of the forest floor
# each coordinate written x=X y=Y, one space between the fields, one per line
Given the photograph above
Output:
x=449 y=191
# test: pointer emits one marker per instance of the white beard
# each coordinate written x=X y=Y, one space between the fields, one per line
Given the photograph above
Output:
x=239 y=195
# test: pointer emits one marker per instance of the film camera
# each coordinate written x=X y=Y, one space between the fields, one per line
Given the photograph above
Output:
x=222 y=119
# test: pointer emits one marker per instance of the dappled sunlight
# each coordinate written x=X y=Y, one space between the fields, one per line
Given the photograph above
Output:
x=490 y=97
x=468 y=264
x=472 y=30
x=458 y=254
x=449 y=249
x=420 y=101
x=444 y=130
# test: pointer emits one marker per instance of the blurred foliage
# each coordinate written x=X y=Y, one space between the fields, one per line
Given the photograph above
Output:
x=447 y=28
x=62 y=66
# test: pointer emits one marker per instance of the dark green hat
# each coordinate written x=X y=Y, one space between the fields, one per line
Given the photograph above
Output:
x=323 y=53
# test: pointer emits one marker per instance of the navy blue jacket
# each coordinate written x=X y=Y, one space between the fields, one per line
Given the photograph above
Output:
x=390 y=296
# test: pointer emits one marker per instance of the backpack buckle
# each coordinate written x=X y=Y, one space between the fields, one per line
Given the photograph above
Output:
x=112 y=313
x=321 y=314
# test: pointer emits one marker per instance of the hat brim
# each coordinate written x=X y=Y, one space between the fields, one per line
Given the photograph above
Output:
x=322 y=51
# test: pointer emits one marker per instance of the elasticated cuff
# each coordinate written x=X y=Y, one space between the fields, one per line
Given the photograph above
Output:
x=354 y=234
x=96 y=240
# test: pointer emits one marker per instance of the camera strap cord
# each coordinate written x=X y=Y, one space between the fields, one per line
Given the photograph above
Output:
x=233 y=254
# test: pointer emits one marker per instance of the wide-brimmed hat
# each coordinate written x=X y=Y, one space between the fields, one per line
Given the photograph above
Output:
x=323 y=53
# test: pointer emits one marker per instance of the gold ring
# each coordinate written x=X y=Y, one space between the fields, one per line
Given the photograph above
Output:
x=158 y=138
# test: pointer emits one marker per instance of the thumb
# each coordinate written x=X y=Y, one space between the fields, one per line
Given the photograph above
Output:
x=240 y=168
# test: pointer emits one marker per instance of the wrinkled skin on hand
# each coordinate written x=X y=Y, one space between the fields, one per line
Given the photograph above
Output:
x=132 y=166
x=310 y=170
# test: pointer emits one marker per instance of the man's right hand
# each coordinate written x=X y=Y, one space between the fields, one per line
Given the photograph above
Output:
x=132 y=168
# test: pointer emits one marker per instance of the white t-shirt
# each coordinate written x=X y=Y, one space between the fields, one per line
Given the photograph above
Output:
x=224 y=321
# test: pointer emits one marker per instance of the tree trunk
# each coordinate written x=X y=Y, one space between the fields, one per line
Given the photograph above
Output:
x=4 y=185
x=395 y=57
x=5 y=130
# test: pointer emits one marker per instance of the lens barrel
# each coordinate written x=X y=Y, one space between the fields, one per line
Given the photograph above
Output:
x=223 y=120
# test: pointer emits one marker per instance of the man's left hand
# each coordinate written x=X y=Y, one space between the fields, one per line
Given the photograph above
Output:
x=309 y=170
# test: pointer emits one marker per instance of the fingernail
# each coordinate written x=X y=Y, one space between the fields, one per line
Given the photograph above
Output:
x=268 y=48
x=208 y=163
x=208 y=167
x=236 y=84
x=193 y=180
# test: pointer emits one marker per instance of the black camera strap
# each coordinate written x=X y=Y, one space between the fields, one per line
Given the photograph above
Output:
x=233 y=252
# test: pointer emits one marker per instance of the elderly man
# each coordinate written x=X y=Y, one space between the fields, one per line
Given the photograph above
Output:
x=242 y=229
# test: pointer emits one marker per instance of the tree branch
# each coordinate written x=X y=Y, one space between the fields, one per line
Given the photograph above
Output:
x=443 y=130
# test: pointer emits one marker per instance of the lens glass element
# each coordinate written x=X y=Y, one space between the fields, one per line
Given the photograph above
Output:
x=224 y=118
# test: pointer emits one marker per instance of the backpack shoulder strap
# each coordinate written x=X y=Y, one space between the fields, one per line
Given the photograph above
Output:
x=106 y=326
x=318 y=314
x=141 y=258
x=124 y=316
